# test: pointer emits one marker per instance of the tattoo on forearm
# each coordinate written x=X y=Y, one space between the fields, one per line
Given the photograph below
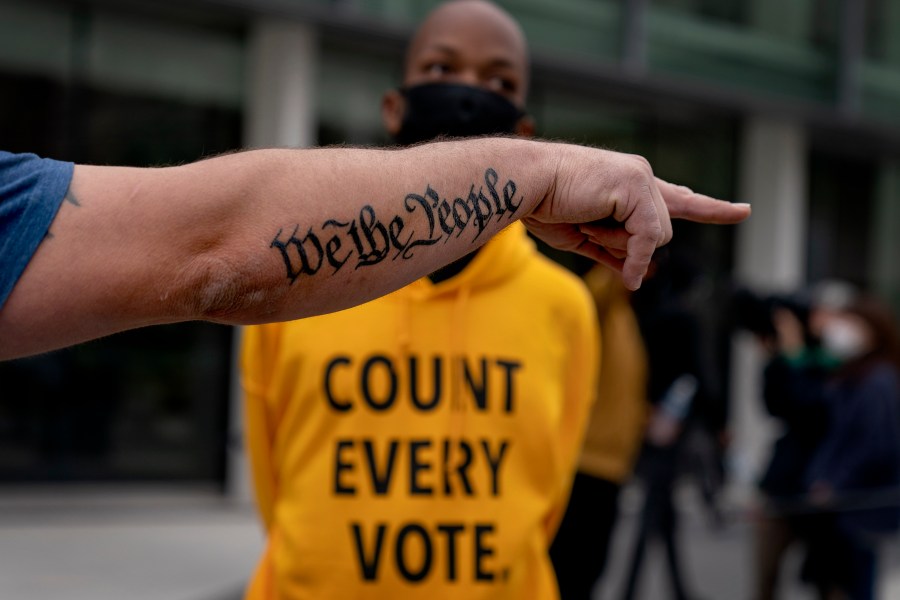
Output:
x=368 y=240
x=71 y=199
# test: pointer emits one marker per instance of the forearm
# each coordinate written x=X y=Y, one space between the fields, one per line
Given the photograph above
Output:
x=261 y=236
x=337 y=227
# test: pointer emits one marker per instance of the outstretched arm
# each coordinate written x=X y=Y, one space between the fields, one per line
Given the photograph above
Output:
x=272 y=235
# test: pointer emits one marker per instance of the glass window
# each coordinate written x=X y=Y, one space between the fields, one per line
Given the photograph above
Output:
x=841 y=191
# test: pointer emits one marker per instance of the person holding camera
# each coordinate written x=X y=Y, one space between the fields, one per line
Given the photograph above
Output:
x=834 y=473
x=793 y=392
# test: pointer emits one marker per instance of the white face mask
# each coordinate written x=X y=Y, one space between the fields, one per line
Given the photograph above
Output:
x=844 y=340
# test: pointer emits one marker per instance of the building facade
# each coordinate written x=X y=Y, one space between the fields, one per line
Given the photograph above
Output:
x=793 y=107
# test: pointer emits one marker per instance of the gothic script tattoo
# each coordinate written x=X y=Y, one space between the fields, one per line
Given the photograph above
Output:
x=368 y=240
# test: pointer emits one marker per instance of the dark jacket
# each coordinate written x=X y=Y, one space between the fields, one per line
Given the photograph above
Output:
x=860 y=456
x=794 y=393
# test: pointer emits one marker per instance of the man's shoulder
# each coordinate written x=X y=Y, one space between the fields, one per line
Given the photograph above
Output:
x=551 y=289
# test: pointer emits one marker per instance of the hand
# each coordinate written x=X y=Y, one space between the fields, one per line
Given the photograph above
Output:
x=610 y=207
x=662 y=429
x=788 y=331
x=821 y=493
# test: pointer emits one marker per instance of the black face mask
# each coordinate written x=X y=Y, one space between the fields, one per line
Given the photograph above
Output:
x=452 y=110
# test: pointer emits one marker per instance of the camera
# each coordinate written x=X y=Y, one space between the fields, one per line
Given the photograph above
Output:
x=753 y=312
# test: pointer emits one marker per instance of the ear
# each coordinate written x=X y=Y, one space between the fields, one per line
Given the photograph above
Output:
x=525 y=126
x=393 y=107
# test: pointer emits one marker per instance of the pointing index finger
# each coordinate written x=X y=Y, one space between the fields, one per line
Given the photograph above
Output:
x=684 y=203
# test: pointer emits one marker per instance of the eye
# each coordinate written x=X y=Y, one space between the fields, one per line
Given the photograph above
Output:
x=500 y=84
x=437 y=69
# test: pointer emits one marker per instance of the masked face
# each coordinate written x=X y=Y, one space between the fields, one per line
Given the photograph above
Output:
x=844 y=339
x=453 y=110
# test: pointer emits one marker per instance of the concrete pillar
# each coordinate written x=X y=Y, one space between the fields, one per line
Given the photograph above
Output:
x=634 y=37
x=279 y=112
x=281 y=85
x=850 y=55
x=771 y=256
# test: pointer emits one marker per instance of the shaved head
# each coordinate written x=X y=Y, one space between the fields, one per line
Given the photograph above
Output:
x=471 y=43
x=480 y=43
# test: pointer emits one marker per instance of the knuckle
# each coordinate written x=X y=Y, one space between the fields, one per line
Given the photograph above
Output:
x=642 y=163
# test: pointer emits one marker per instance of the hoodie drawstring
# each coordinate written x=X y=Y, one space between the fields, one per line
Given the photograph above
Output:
x=457 y=356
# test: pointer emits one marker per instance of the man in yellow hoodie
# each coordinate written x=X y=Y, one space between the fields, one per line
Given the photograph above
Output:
x=423 y=445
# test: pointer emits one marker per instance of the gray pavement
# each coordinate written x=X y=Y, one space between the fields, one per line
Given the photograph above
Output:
x=182 y=543
x=137 y=543
x=717 y=561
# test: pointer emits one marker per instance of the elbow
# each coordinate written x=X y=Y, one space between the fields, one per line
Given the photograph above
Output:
x=225 y=275
x=227 y=291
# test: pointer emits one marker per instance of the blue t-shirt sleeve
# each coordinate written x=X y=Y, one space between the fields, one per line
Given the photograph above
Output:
x=31 y=192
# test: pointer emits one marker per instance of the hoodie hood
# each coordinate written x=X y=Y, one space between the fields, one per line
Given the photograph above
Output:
x=498 y=261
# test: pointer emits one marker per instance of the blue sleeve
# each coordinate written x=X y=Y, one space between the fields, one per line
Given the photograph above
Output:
x=31 y=192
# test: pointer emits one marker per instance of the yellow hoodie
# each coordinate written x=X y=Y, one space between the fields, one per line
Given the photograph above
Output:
x=422 y=445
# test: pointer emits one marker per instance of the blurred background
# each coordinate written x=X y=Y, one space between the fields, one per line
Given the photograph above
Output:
x=129 y=448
